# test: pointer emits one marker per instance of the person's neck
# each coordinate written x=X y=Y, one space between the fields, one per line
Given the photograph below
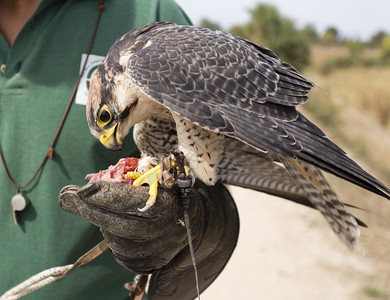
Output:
x=13 y=15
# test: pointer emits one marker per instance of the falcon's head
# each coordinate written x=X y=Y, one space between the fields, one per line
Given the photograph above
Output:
x=115 y=102
x=113 y=107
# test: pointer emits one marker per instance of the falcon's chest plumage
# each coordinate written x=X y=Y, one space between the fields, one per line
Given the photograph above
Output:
x=201 y=148
x=157 y=136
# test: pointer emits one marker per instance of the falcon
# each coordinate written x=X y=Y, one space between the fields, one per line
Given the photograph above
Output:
x=230 y=106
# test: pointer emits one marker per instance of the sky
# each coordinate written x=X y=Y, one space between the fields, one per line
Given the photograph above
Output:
x=354 y=19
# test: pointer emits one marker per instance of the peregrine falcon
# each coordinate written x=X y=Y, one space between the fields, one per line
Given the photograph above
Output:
x=230 y=106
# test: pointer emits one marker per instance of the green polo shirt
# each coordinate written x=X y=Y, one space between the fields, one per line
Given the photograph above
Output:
x=37 y=76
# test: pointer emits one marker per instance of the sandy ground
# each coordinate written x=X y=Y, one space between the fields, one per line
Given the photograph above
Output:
x=286 y=251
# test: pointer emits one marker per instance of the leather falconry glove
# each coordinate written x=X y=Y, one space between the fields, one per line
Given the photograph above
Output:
x=155 y=242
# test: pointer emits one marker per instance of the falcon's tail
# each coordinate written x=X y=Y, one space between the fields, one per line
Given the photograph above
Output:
x=324 y=199
x=244 y=166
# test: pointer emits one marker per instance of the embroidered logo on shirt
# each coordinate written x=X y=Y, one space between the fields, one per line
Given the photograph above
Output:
x=93 y=62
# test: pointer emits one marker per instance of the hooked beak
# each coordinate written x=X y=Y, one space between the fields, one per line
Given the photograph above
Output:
x=112 y=139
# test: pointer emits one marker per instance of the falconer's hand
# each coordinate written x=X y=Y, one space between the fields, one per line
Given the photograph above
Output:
x=155 y=242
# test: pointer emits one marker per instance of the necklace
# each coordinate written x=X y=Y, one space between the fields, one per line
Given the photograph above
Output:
x=19 y=202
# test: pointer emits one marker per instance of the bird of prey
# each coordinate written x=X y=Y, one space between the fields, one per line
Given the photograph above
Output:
x=230 y=106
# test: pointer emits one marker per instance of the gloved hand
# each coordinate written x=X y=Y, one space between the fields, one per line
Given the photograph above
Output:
x=155 y=241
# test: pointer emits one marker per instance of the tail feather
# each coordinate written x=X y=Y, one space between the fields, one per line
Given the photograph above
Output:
x=325 y=200
x=291 y=179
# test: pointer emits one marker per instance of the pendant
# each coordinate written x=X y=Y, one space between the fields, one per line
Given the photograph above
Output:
x=19 y=203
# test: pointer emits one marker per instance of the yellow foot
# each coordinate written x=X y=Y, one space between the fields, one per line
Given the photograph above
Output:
x=151 y=178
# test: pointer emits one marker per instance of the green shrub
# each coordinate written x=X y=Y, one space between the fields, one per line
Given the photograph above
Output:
x=268 y=28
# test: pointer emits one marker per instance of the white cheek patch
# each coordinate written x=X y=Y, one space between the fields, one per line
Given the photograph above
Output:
x=124 y=89
x=122 y=96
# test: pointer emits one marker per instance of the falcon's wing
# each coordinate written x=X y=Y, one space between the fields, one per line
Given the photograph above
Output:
x=247 y=167
x=227 y=84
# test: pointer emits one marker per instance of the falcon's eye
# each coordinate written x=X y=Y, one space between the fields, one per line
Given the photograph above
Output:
x=104 y=116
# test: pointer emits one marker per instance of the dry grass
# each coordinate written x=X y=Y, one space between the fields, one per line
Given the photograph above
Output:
x=368 y=89
x=321 y=54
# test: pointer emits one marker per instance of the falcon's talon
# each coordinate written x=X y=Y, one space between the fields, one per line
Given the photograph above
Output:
x=151 y=178
x=145 y=208
x=151 y=201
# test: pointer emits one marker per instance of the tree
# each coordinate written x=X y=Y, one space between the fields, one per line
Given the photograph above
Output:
x=331 y=36
x=310 y=33
x=206 y=23
x=355 y=49
x=377 y=38
x=268 y=28
x=386 y=48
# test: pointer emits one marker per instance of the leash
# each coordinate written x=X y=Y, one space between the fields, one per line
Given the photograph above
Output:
x=185 y=184
x=185 y=188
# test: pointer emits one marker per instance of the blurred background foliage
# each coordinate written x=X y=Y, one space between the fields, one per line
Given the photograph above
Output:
x=294 y=45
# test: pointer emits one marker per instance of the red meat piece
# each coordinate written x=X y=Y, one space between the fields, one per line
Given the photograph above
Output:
x=117 y=172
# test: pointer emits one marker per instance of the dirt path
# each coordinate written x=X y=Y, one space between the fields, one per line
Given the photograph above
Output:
x=286 y=251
